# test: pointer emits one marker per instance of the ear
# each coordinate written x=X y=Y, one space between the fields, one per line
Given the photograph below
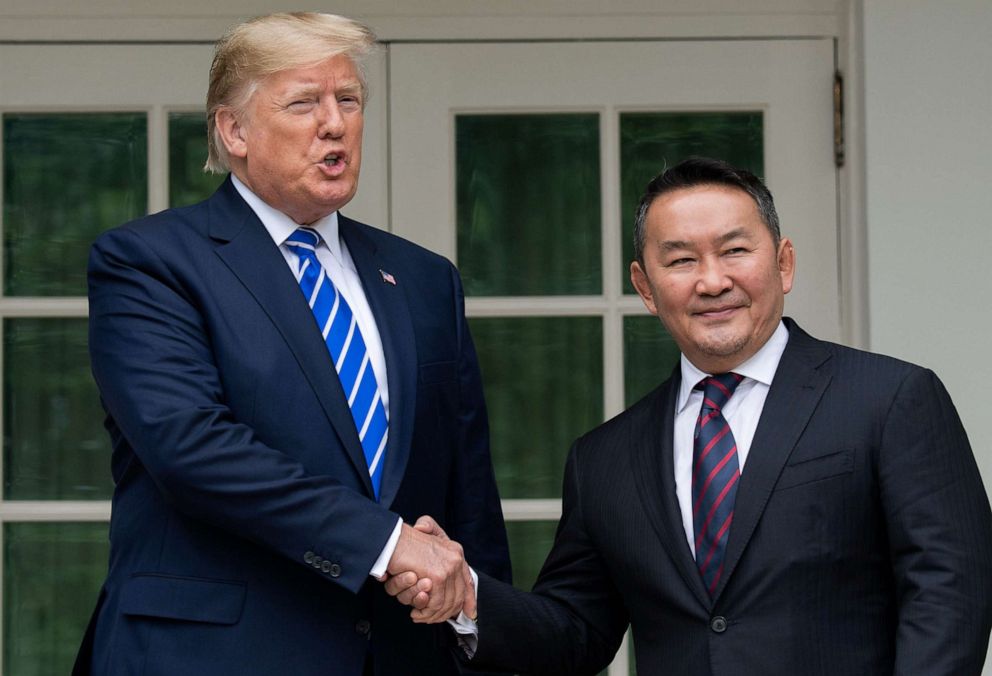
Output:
x=639 y=279
x=786 y=263
x=232 y=132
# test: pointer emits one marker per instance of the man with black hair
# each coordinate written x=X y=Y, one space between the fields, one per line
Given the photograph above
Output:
x=779 y=505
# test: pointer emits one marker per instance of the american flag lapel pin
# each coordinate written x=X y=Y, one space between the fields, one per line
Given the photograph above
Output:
x=387 y=278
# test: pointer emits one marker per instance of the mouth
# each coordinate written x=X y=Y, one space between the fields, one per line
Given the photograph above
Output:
x=333 y=165
x=721 y=312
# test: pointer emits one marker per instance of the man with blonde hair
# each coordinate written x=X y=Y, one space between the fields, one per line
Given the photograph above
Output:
x=285 y=390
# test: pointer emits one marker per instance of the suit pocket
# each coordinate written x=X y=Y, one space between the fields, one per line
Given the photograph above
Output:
x=184 y=598
x=438 y=372
x=816 y=469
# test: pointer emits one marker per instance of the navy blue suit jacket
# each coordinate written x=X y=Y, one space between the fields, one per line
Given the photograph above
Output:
x=861 y=543
x=243 y=527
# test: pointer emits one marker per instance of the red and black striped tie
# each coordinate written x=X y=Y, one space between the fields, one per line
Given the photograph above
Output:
x=715 y=473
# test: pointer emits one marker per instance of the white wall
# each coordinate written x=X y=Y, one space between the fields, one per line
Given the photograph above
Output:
x=928 y=124
x=928 y=166
x=424 y=19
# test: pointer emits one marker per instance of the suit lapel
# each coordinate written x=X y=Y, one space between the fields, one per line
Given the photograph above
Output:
x=796 y=391
x=654 y=472
x=392 y=317
x=248 y=250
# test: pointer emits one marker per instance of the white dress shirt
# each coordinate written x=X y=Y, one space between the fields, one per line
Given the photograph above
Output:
x=338 y=265
x=741 y=411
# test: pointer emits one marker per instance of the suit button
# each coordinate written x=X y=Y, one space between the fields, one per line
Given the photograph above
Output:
x=316 y=562
x=325 y=567
x=363 y=627
x=308 y=557
x=718 y=624
x=335 y=570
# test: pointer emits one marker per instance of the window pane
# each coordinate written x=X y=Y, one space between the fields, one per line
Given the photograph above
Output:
x=188 y=183
x=544 y=387
x=54 y=443
x=649 y=355
x=528 y=204
x=52 y=575
x=66 y=178
x=650 y=142
x=530 y=542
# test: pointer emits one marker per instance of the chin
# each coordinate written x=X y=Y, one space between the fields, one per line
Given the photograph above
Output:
x=336 y=200
x=723 y=348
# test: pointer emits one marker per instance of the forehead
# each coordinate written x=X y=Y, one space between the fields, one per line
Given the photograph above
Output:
x=337 y=72
x=702 y=212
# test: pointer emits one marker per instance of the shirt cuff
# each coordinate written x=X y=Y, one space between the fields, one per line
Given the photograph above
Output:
x=466 y=628
x=379 y=567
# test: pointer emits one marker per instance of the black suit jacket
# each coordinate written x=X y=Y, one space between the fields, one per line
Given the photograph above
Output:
x=861 y=542
x=243 y=526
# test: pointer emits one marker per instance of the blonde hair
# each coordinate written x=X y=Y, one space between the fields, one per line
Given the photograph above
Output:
x=253 y=50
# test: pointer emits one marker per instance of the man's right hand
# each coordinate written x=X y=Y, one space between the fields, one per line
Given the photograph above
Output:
x=443 y=583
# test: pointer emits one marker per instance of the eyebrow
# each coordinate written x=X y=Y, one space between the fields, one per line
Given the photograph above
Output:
x=300 y=90
x=310 y=88
x=674 y=245
x=678 y=244
x=733 y=234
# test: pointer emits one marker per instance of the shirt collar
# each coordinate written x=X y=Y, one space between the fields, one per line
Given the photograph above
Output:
x=280 y=226
x=760 y=367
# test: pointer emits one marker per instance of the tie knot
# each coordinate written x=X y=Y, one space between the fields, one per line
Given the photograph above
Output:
x=303 y=241
x=718 y=389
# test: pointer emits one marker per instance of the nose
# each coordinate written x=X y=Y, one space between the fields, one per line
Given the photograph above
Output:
x=713 y=279
x=331 y=121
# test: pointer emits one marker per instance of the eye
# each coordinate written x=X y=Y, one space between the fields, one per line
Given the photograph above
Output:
x=350 y=102
x=679 y=262
x=302 y=105
x=735 y=251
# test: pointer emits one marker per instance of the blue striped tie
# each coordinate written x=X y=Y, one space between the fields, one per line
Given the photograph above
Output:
x=347 y=347
x=715 y=472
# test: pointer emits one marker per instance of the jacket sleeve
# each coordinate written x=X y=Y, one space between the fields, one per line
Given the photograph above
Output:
x=152 y=360
x=940 y=533
x=574 y=620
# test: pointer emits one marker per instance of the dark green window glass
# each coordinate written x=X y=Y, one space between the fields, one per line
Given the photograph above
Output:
x=188 y=183
x=54 y=447
x=649 y=355
x=544 y=387
x=66 y=178
x=528 y=204
x=52 y=574
x=530 y=542
x=651 y=142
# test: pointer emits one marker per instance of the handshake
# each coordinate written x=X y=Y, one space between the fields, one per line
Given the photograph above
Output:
x=428 y=572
